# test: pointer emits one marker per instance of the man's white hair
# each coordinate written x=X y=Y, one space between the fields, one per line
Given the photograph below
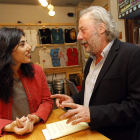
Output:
x=99 y=15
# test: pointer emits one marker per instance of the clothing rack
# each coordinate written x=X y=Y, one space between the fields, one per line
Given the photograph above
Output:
x=52 y=45
x=39 y=24
x=43 y=24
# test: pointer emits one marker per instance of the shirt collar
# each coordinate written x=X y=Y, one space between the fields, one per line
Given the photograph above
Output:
x=105 y=50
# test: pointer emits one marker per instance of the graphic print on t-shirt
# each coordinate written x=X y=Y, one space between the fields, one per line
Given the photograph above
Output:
x=57 y=36
x=45 y=58
x=55 y=58
x=63 y=57
x=31 y=36
x=70 y=35
x=45 y=36
x=72 y=54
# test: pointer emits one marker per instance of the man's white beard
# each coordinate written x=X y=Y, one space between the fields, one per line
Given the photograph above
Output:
x=94 y=43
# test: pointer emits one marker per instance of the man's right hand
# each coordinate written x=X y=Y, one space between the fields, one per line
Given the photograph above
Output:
x=62 y=99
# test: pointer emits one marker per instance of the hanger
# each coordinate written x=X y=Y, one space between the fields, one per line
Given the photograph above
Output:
x=56 y=27
x=63 y=47
x=44 y=48
x=43 y=27
x=29 y=27
x=55 y=47
x=69 y=27
x=71 y=47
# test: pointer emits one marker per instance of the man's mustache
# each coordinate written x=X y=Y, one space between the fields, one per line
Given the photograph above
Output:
x=83 y=42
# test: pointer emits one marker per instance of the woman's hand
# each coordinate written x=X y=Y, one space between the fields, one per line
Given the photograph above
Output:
x=13 y=127
x=21 y=122
x=33 y=118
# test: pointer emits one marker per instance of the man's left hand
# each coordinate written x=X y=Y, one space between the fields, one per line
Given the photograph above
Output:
x=77 y=114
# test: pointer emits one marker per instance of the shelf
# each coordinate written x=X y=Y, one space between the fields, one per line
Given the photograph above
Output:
x=63 y=69
x=53 y=45
x=40 y=24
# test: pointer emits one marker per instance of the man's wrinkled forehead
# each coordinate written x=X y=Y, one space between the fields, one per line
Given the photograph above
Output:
x=84 y=20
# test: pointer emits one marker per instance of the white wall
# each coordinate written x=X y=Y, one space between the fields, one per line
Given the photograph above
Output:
x=32 y=14
x=100 y=3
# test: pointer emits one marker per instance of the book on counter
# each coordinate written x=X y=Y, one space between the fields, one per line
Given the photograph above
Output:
x=61 y=128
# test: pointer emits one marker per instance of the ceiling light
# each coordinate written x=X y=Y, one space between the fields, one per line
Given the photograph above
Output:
x=44 y=3
x=50 y=7
x=40 y=1
x=51 y=13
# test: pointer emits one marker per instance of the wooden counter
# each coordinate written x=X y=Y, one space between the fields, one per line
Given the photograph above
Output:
x=55 y=116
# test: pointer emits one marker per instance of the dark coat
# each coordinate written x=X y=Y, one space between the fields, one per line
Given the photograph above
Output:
x=115 y=101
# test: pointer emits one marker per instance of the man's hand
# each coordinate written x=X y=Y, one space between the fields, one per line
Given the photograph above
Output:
x=76 y=115
x=62 y=99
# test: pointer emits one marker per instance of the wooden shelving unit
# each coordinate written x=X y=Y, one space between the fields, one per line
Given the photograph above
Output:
x=40 y=24
x=62 y=69
x=52 y=45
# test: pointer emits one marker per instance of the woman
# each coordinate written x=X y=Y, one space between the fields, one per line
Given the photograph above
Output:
x=24 y=93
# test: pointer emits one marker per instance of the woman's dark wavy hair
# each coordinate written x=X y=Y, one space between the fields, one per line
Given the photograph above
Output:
x=9 y=38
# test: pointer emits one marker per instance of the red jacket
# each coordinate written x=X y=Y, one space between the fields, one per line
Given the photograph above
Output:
x=38 y=96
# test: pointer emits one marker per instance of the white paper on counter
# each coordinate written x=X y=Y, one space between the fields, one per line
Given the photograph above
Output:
x=46 y=134
x=61 y=128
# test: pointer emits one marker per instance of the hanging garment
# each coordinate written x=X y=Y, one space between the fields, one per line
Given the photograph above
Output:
x=63 y=57
x=57 y=36
x=70 y=35
x=31 y=37
x=55 y=58
x=45 y=36
x=45 y=58
x=72 y=54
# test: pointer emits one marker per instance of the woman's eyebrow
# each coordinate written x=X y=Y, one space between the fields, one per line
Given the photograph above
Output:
x=22 y=41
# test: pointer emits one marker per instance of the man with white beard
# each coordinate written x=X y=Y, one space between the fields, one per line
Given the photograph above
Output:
x=109 y=100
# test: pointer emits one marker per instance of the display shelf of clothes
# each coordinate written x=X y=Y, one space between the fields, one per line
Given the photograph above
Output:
x=58 y=57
